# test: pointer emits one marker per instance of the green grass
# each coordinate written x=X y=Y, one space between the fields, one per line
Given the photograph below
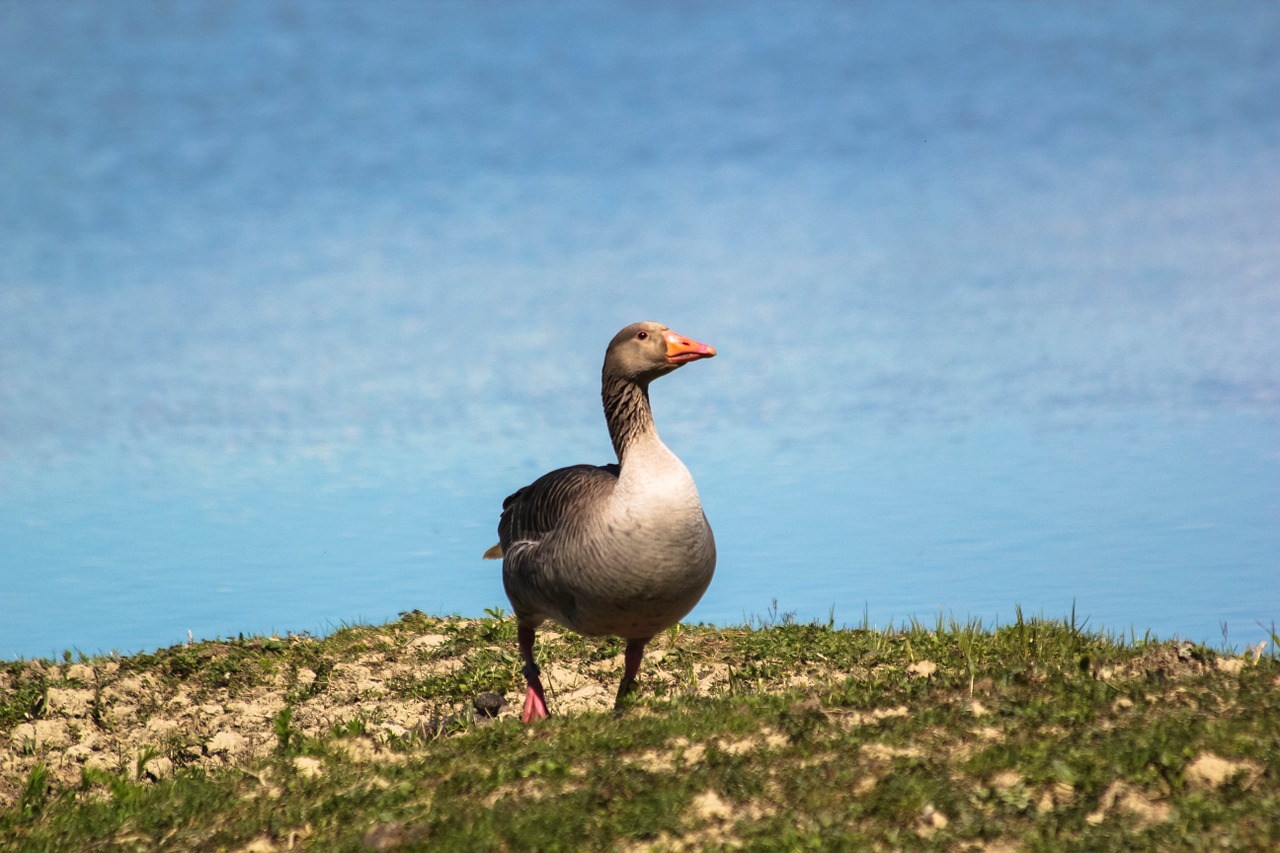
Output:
x=1039 y=735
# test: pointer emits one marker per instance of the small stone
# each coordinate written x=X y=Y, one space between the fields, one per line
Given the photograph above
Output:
x=710 y=807
x=308 y=766
x=1230 y=666
x=226 y=742
x=1006 y=779
x=160 y=767
x=385 y=836
x=70 y=702
x=931 y=820
x=1213 y=771
x=922 y=669
x=488 y=703
x=81 y=673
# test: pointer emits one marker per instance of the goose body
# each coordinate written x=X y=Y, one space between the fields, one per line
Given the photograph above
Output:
x=614 y=550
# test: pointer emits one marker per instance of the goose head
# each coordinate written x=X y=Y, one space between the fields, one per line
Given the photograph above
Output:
x=644 y=351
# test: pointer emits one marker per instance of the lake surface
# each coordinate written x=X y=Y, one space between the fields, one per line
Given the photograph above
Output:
x=292 y=295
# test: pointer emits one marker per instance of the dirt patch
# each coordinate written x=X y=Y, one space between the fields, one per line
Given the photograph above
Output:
x=175 y=713
x=1212 y=771
x=887 y=752
x=1177 y=661
x=93 y=715
x=1125 y=799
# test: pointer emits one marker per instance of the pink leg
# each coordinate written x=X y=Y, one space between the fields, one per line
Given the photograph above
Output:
x=632 y=657
x=535 y=703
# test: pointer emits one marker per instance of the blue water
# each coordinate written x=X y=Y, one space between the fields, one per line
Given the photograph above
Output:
x=292 y=295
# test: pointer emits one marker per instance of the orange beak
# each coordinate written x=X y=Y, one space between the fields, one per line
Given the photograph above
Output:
x=681 y=350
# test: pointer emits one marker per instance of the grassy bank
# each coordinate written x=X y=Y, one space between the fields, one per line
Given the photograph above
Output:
x=1033 y=736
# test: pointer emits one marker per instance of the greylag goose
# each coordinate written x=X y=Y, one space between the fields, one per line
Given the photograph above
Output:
x=614 y=550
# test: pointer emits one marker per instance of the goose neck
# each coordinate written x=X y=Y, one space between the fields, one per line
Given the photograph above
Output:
x=627 y=413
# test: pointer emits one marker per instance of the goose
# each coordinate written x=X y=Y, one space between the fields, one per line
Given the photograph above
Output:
x=612 y=550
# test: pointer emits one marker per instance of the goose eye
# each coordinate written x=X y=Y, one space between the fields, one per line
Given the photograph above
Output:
x=640 y=336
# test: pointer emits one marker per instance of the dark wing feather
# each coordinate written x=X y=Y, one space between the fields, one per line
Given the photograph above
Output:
x=542 y=506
